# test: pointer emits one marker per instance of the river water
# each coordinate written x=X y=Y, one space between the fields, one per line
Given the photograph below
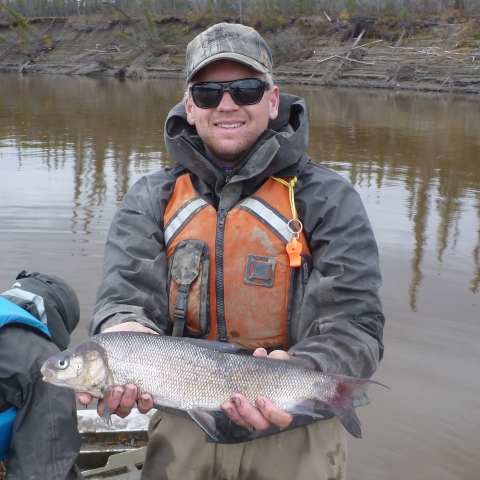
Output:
x=70 y=147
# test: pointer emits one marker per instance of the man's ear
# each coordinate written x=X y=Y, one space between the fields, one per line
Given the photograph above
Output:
x=274 y=101
x=189 y=108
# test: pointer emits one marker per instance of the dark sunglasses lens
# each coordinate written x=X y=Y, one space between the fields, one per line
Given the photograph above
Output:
x=207 y=96
x=247 y=92
x=244 y=92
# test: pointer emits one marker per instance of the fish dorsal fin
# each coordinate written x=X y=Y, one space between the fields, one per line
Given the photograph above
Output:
x=222 y=347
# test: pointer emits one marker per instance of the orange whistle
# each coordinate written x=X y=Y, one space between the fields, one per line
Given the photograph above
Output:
x=294 y=249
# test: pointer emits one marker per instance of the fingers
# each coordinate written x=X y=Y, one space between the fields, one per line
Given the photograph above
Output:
x=232 y=413
x=144 y=403
x=249 y=413
x=113 y=402
x=264 y=414
x=260 y=352
x=84 y=398
x=274 y=415
x=245 y=414
x=279 y=355
x=121 y=401
x=129 y=327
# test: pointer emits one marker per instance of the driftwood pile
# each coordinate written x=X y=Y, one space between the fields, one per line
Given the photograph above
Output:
x=435 y=62
x=376 y=64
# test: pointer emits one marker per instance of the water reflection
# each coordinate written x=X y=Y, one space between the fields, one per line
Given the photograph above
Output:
x=429 y=144
x=72 y=144
x=71 y=147
x=426 y=145
x=89 y=121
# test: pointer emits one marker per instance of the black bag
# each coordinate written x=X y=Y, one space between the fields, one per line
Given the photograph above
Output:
x=60 y=300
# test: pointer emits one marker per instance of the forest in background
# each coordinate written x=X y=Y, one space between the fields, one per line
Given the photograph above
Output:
x=263 y=10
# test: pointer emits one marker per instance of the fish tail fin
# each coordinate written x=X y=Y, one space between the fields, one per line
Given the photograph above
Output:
x=348 y=390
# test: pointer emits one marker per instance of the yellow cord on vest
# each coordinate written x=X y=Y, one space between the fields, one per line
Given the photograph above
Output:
x=294 y=248
x=290 y=186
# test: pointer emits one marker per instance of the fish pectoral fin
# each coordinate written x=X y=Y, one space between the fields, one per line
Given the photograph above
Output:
x=305 y=407
x=106 y=415
x=206 y=420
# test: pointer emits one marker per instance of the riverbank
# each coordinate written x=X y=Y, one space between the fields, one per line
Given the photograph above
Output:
x=438 y=54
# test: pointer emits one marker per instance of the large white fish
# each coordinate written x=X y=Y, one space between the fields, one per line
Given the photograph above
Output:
x=197 y=376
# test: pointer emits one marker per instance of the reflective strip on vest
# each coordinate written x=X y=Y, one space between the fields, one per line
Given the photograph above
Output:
x=243 y=290
x=276 y=223
x=182 y=217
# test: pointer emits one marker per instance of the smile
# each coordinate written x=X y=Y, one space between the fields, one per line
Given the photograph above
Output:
x=229 y=125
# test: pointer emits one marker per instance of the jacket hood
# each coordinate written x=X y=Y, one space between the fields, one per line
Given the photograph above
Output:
x=51 y=300
x=279 y=147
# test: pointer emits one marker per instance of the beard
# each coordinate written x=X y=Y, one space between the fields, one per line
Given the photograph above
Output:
x=223 y=156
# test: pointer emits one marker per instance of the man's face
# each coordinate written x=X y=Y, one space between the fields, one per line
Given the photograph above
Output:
x=229 y=130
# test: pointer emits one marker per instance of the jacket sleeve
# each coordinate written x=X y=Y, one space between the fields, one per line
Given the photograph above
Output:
x=341 y=322
x=135 y=270
x=45 y=438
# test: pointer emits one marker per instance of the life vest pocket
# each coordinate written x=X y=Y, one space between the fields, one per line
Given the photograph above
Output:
x=189 y=274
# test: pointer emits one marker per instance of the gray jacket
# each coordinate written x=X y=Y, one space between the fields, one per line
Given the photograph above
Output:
x=340 y=323
x=45 y=438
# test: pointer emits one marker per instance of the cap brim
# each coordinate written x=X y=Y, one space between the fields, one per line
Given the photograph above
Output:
x=236 y=57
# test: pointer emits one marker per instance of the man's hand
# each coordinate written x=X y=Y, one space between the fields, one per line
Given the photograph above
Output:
x=130 y=327
x=242 y=412
x=121 y=400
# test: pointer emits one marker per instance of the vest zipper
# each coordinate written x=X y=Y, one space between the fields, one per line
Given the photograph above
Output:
x=305 y=269
x=219 y=287
x=228 y=174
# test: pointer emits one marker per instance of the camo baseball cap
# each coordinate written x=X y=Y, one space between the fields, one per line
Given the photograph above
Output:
x=232 y=42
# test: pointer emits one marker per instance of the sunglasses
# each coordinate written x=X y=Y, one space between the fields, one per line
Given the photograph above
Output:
x=247 y=91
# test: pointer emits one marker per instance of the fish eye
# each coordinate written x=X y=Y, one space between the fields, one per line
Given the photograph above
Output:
x=63 y=363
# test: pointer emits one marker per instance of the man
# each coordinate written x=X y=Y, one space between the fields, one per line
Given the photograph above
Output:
x=215 y=248
x=38 y=434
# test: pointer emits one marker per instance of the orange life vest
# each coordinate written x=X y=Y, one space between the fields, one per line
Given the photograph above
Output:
x=230 y=274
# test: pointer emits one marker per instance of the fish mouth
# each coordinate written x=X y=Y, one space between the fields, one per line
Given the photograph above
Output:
x=45 y=371
x=48 y=374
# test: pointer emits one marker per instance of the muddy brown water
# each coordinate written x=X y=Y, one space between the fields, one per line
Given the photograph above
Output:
x=70 y=147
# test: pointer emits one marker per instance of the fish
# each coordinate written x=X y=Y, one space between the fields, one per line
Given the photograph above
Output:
x=198 y=376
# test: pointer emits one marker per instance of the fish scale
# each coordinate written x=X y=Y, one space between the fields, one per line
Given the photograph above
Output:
x=181 y=377
x=198 y=376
